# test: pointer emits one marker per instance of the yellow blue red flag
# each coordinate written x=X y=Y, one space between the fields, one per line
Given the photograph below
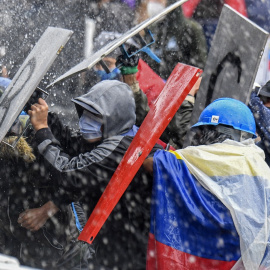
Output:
x=210 y=208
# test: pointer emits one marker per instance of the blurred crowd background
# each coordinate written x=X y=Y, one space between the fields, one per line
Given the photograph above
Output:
x=22 y=24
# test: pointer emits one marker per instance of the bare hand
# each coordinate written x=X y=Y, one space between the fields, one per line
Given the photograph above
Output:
x=148 y=165
x=4 y=72
x=196 y=87
x=34 y=219
x=39 y=114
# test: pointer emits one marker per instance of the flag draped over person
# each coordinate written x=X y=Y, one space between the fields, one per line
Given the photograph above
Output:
x=210 y=208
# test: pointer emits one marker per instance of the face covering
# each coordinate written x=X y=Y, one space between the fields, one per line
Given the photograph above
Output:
x=113 y=75
x=154 y=8
x=90 y=126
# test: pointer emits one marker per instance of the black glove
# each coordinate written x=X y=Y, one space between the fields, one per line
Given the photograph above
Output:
x=128 y=65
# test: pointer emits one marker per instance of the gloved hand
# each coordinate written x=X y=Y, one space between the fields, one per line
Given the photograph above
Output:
x=128 y=65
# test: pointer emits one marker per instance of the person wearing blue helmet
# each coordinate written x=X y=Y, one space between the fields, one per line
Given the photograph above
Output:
x=219 y=118
x=210 y=197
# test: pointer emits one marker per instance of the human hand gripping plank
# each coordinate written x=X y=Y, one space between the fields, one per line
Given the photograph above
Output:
x=39 y=114
x=179 y=84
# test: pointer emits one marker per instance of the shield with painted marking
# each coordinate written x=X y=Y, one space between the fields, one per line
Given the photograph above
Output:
x=232 y=62
x=29 y=75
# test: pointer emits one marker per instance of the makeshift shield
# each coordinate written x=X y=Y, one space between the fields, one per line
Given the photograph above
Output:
x=29 y=75
x=232 y=62
x=106 y=50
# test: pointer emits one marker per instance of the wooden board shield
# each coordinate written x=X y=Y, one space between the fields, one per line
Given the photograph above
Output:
x=29 y=75
x=110 y=47
x=232 y=62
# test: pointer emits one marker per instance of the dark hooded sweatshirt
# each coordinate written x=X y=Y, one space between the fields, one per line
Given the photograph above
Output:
x=122 y=242
x=25 y=185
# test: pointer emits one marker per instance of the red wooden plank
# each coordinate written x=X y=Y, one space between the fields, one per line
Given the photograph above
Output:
x=173 y=94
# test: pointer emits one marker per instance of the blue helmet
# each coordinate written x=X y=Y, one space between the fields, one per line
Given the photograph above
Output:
x=229 y=112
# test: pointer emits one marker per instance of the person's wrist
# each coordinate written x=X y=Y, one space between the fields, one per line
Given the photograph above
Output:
x=128 y=70
x=131 y=80
x=135 y=87
x=50 y=209
x=40 y=126
x=190 y=98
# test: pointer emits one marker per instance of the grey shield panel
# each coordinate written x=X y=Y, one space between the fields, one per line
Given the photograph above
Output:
x=29 y=75
x=110 y=47
x=232 y=62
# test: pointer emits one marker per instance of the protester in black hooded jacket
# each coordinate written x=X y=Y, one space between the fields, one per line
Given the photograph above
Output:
x=107 y=117
x=32 y=228
x=38 y=241
x=26 y=185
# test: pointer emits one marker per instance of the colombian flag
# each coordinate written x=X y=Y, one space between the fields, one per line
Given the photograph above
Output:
x=210 y=208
